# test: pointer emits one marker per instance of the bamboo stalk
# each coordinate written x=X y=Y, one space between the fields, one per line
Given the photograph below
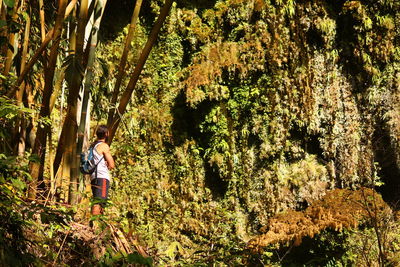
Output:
x=41 y=135
x=42 y=20
x=57 y=88
x=20 y=129
x=52 y=181
x=73 y=182
x=24 y=54
x=70 y=7
x=74 y=92
x=80 y=33
x=68 y=121
x=3 y=32
x=11 y=41
x=124 y=57
x=51 y=152
x=126 y=96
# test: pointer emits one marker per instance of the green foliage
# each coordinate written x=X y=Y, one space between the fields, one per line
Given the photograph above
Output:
x=8 y=109
x=248 y=108
x=9 y=3
x=28 y=232
x=328 y=248
x=244 y=109
x=12 y=241
x=112 y=259
x=10 y=113
x=74 y=70
x=15 y=171
x=136 y=258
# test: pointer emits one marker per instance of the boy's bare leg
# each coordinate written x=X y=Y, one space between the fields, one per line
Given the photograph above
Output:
x=97 y=209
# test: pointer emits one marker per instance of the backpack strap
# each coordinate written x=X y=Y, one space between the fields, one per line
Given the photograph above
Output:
x=94 y=147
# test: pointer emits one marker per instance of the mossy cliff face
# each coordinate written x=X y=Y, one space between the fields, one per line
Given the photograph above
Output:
x=247 y=108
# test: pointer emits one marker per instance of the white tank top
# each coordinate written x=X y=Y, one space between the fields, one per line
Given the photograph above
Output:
x=102 y=169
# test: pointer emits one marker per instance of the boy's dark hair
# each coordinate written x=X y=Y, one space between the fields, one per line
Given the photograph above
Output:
x=101 y=131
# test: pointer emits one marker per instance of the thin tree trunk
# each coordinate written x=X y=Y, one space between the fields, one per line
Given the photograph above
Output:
x=124 y=57
x=41 y=135
x=21 y=126
x=42 y=20
x=21 y=137
x=62 y=147
x=3 y=32
x=57 y=89
x=11 y=41
x=138 y=69
x=24 y=54
x=59 y=78
x=31 y=121
x=73 y=182
x=51 y=155
x=70 y=7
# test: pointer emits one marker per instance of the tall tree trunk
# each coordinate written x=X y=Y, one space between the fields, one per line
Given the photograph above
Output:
x=21 y=126
x=24 y=54
x=113 y=125
x=61 y=151
x=1 y=9
x=39 y=148
x=67 y=138
x=70 y=139
x=42 y=20
x=57 y=89
x=124 y=57
x=99 y=9
x=3 y=32
x=64 y=147
x=11 y=42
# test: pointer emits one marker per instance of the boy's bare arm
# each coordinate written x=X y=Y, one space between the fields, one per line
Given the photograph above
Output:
x=107 y=156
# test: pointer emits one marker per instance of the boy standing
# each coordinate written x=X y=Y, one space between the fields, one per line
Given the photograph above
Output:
x=100 y=178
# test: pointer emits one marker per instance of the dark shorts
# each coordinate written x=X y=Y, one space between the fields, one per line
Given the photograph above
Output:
x=100 y=188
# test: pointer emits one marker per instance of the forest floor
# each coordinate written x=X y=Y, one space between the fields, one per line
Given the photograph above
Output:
x=54 y=234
